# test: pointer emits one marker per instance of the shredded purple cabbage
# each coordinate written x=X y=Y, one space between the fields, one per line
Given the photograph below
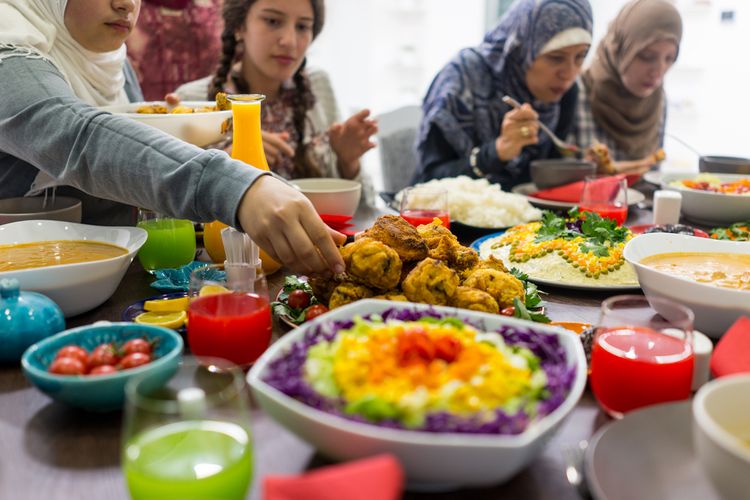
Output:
x=286 y=375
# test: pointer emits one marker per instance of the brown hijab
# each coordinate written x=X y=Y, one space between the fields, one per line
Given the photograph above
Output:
x=633 y=122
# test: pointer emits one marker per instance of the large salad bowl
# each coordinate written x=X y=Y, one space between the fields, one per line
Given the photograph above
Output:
x=432 y=458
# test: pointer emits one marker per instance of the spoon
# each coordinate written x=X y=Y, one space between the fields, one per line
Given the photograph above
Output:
x=565 y=147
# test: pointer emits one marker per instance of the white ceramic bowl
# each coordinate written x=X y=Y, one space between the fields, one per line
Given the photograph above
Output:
x=30 y=208
x=200 y=129
x=710 y=208
x=715 y=308
x=330 y=195
x=431 y=460
x=76 y=288
x=721 y=425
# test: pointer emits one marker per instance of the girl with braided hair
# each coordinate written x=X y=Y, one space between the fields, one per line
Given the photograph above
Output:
x=263 y=51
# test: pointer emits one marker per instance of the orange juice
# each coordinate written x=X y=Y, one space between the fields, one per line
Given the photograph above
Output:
x=248 y=147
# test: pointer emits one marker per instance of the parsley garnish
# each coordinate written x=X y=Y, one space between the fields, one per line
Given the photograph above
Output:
x=598 y=232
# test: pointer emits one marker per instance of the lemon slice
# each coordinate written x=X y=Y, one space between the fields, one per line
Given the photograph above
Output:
x=166 y=305
x=212 y=290
x=172 y=319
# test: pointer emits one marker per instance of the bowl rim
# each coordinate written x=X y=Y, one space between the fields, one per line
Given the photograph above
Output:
x=416 y=437
x=78 y=380
x=643 y=240
x=67 y=199
x=708 y=424
x=347 y=185
x=728 y=160
x=161 y=116
x=668 y=178
x=136 y=234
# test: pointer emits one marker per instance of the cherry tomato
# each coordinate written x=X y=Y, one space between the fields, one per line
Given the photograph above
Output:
x=315 y=311
x=67 y=366
x=298 y=299
x=508 y=311
x=103 y=354
x=74 y=351
x=136 y=345
x=133 y=360
x=103 y=370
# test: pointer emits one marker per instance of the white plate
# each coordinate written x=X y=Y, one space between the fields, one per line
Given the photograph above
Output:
x=647 y=454
x=652 y=177
x=526 y=189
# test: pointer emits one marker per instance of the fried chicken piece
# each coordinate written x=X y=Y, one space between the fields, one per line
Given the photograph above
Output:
x=476 y=300
x=396 y=295
x=492 y=262
x=400 y=236
x=503 y=287
x=222 y=103
x=430 y=282
x=348 y=292
x=372 y=263
x=463 y=258
x=323 y=286
x=182 y=110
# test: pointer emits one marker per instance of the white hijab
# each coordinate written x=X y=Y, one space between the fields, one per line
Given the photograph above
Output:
x=36 y=29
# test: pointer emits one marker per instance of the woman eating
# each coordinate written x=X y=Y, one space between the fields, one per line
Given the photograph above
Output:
x=621 y=101
x=533 y=55
x=59 y=60
x=265 y=44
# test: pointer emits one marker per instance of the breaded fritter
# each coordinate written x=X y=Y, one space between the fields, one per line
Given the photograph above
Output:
x=372 y=263
x=400 y=236
x=430 y=282
x=463 y=258
x=348 y=292
x=476 y=300
x=503 y=287
x=396 y=295
x=323 y=286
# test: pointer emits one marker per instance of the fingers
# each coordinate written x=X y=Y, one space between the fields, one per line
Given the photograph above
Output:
x=632 y=167
x=524 y=113
x=172 y=99
x=323 y=238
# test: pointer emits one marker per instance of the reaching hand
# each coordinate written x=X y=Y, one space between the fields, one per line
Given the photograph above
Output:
x=284 y=223
x=276 y=147
x=520 y=128
x=351 y=139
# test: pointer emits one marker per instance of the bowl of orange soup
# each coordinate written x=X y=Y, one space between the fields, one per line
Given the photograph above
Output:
x=712 y=277
x=79 y=266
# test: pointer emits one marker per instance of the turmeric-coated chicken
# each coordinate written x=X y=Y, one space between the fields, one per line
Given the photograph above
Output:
x=503 y=287
x=396 y=295
x=476 y=300
x=372 y=263
x=440 y=241
x=348 y=292
x=400 y=236
x=431 y=282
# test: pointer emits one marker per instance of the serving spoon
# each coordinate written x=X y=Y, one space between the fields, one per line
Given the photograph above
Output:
x=566 y=148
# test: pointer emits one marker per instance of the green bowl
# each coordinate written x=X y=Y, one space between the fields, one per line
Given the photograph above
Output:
x=100 y=393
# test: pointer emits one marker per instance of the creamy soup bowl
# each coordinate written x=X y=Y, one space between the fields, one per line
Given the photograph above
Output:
x=715 y=308
x=80 y=287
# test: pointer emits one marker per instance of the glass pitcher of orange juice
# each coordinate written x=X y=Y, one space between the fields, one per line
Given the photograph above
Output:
x=247 y=146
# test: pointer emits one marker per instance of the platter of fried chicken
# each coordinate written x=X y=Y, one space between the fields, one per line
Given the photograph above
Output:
x=394 y=260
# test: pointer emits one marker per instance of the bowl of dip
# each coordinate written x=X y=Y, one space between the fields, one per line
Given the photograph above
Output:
x=712 y=277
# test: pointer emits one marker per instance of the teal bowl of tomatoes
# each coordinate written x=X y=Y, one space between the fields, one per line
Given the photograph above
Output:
x=88 y=367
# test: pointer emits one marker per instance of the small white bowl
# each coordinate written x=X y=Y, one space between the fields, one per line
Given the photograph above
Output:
x=200 y=129
x=33 y=208
x=710 y=208
x=76 y=288
x=721 y=424
x=431 y=460
x=715 y=308
x=331 y=195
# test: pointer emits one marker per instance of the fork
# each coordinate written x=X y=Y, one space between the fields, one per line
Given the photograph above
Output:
x=565 y=148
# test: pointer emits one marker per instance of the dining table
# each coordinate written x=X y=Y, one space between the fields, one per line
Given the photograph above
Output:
x=53 y=451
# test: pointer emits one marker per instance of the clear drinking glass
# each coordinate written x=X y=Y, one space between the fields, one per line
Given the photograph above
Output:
x=229 y=314
x=170 y=243
x=421 y=205
x=188 y=438
x=642 y=353
x=606 y=195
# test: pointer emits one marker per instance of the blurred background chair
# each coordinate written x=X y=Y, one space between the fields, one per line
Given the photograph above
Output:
x=397 y=134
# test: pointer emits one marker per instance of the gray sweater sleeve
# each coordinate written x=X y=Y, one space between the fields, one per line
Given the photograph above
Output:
x=42 y=123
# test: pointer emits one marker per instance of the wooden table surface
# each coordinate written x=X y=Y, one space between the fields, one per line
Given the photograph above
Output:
x=51 y=451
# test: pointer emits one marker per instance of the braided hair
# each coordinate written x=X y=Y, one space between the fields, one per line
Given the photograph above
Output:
x=234 y=13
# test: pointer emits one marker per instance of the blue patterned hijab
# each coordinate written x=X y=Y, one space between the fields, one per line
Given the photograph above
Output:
x=464 y=100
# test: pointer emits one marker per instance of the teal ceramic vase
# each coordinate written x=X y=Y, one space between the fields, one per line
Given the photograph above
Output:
x=25 y=318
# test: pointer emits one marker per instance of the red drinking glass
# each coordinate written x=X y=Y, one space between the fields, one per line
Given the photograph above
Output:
x=421 y=205
x=229 y=315
x=606 y=195
x=642 y=353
